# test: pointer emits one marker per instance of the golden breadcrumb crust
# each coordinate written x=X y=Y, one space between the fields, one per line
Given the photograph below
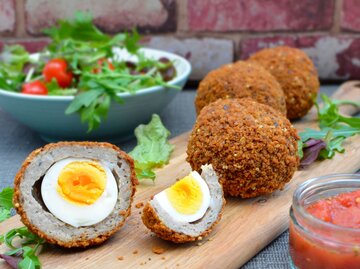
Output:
x=239 y=80
x=18 y=200
x=296 y=74
x=151 y=221
x=251 y=146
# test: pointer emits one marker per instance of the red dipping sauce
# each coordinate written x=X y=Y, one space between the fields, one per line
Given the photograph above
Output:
x=325 y=223
x=342 y=209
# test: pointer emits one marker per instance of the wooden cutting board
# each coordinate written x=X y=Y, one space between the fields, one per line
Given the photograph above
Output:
x=246 y=227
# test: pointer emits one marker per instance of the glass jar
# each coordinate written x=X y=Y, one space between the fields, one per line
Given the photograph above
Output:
x=316 y=244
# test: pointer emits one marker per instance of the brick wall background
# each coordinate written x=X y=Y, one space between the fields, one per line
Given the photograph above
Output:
x=208 y=32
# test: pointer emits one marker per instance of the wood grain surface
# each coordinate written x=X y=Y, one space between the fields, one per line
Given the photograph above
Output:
x=247 y=226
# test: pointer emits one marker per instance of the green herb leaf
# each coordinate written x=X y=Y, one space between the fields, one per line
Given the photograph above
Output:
x=30 y=244
x=30 y=261
x=334 y=129
x=329 y=116
x=6 y=196
x=345 y=131
x=300 y=149
x=131 y=41
x=153 y=149
x=4 y=214
x=14 y=57
x=81 y=29
x=83 y=100
x=12 y=61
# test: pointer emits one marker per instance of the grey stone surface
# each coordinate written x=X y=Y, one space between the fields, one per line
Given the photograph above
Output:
x=17 y=141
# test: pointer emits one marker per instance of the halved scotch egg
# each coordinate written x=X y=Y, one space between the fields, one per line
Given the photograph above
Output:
x=75 y=194
x=188 y=210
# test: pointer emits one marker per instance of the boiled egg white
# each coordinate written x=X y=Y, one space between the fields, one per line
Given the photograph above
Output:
x=79 y=191
x=187 y=200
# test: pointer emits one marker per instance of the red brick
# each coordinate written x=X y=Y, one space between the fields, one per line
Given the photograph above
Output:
x=31 y=45
x=109 y=15
x=7 y=15
x=260 y=15
x=336 y=57
x=350 y=15
x=205 y=54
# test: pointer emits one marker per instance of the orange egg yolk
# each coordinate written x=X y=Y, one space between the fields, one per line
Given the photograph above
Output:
x=81 y=182
x=185 y=196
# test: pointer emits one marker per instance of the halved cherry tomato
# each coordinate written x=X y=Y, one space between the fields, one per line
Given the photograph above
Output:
x=35 y=87
x=57 y=68
x=100 y=63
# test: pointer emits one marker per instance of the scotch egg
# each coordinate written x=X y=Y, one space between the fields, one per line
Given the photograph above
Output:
x=188 y=210
x=75 y=194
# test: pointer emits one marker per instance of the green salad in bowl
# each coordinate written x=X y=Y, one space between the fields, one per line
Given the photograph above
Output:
x=86 y=84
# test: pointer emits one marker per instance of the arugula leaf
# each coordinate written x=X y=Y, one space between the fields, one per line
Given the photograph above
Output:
x=30 y=261
x=152 y=149
x=334 y=129
x=82 y=100
x=131 y=41
x=329 y=116
x=333 y=145
x=94 y=103
x=330 y=138
x=28 y=250
x=345 y=131
x=81 y=29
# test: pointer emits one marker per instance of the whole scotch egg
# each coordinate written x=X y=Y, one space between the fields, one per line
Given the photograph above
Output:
x=75 y=194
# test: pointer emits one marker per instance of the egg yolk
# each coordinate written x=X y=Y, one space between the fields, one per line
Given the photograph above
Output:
x=185 y=196
x=81 y=183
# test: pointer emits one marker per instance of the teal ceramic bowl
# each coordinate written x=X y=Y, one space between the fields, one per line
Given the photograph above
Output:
x=46 y=114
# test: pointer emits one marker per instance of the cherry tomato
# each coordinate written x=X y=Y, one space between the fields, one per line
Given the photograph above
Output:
x=100 y=63
x=35 y=87
x=57 y=68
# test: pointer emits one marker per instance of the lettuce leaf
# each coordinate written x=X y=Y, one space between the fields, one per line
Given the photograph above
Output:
x=153 y=149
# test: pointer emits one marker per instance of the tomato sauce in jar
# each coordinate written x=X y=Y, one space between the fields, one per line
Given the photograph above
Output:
x=325 y=223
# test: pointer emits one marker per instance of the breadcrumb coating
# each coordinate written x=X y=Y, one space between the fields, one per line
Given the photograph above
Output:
x=239 y=80
x=296 y=74
x=252 y=147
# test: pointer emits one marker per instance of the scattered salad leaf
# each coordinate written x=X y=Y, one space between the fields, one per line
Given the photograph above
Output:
x=153 y=149
x=311 y=150
x=13 y=261
x=25 y=255
x=334 y=129
x=329 y=116
x=6 y=196
x=6 y=203
x=345 y=131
